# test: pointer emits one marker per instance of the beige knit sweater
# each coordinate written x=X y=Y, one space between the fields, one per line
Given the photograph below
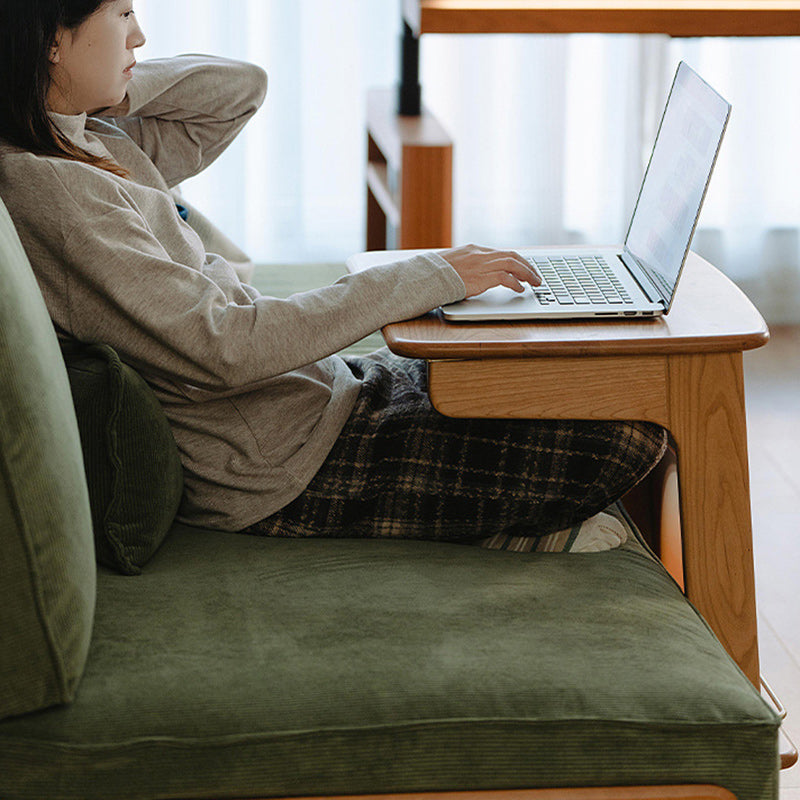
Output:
x=248 y=382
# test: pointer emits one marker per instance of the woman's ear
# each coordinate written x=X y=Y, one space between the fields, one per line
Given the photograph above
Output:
x=55 y=49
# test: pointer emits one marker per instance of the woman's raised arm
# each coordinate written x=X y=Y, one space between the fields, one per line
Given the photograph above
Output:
x=184 y=111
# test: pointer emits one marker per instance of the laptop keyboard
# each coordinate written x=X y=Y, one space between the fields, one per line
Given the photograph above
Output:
x=579 y=280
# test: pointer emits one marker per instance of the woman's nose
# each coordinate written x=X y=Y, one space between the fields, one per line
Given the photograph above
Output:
x=136 y=37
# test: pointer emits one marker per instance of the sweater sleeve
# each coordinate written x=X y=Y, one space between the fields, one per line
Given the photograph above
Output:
x=201 y=327
x=184 y=111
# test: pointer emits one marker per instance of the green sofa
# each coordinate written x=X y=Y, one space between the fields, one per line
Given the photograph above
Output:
x=235 y=666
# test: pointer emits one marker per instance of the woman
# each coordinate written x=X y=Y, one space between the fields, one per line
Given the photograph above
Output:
x=277 y=435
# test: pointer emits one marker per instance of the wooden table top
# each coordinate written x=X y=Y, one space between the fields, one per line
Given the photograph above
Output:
x=709 y=314
x=671 y=17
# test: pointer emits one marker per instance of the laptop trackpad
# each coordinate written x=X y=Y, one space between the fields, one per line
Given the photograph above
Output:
x=496 y=299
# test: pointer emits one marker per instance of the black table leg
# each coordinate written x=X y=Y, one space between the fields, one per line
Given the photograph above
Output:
x=410 y=90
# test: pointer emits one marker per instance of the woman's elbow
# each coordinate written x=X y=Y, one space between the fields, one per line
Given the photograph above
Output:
x=258 y=81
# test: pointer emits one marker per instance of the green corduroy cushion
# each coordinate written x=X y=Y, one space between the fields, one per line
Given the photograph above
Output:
x=132 y=465
x=47 y=569
x=238 y=666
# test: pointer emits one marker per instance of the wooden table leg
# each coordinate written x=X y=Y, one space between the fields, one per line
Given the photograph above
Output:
x=707 y=421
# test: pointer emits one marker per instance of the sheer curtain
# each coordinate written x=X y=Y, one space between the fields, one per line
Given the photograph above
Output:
x=551 y=133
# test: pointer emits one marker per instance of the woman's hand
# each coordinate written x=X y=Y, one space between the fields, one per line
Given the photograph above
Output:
x=481 y=268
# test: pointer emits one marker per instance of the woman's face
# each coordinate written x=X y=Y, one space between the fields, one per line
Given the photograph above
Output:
x=90 y=65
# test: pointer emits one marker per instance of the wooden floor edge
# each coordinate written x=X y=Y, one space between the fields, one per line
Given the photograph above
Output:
x=667 y=792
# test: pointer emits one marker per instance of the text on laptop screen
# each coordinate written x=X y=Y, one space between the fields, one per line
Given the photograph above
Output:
x=677 y=176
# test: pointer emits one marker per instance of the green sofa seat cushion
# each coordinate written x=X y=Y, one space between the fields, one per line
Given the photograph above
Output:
x=133 y=469
x=239 y=666
x=47 y=567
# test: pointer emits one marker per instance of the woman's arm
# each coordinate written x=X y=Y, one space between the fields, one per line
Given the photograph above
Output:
x=198 y=325
x=184 y=111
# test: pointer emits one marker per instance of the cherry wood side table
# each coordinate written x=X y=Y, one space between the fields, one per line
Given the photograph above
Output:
x=683 y=371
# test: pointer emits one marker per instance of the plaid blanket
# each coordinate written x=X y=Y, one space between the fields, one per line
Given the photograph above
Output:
x=401 y=469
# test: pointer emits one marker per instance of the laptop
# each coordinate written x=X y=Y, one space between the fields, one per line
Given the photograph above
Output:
x=639 y=278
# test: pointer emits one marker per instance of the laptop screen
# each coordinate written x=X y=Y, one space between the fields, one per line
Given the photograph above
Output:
x=677 y=177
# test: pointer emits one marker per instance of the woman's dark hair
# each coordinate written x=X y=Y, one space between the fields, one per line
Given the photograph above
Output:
x=28 y=31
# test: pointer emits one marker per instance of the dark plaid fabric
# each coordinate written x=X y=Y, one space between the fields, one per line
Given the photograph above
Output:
x=401 y=469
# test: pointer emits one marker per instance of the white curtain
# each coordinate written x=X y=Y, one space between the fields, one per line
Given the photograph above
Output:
x=551 y=133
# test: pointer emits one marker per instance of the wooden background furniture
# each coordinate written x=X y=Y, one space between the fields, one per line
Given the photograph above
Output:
x=671 y=17
x=683 y=371
x=409 y=154
x=409 y=178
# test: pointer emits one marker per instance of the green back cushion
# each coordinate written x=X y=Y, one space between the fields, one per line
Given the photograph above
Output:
x=132 y=465
x=46 y=549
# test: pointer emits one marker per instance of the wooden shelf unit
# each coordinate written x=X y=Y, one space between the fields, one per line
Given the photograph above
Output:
x=409 y=177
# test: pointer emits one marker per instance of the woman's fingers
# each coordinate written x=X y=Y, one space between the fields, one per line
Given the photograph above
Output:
x=481 y=268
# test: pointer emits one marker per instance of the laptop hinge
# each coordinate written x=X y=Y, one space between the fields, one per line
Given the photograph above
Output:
x=651 y=289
